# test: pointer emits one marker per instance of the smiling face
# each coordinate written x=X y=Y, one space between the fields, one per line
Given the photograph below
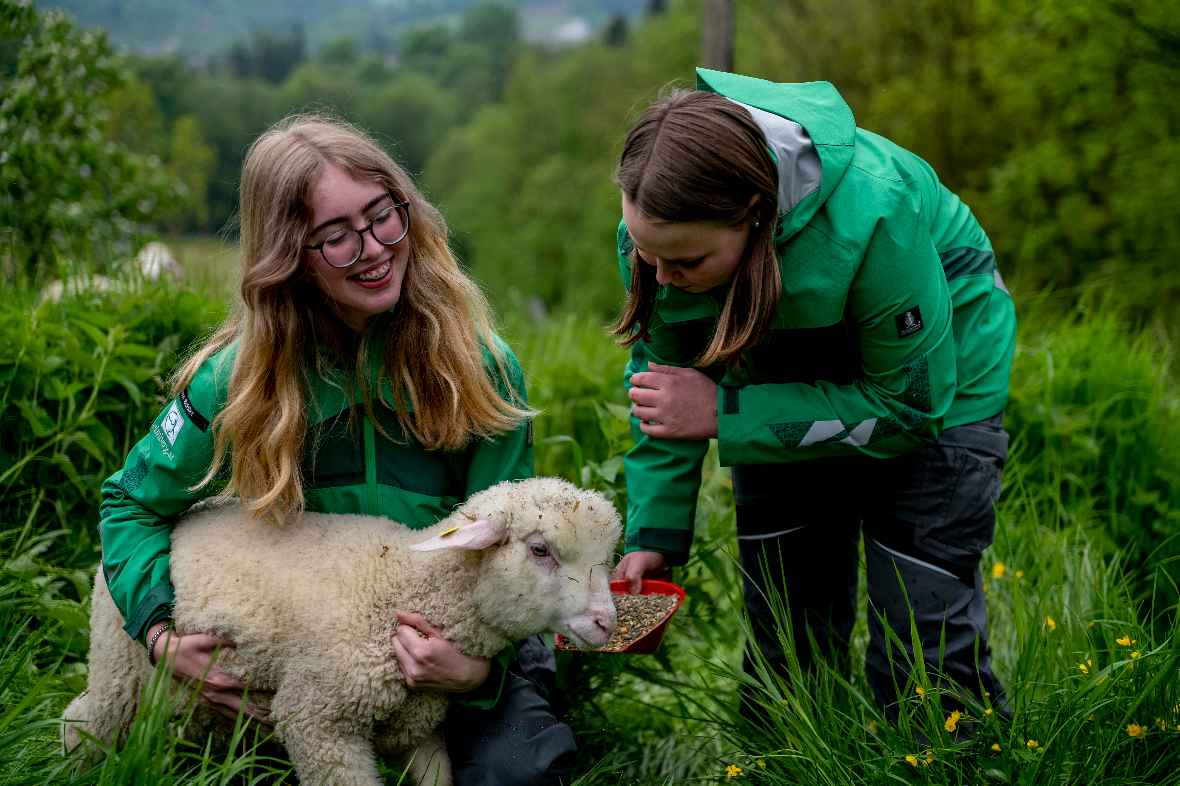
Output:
x=695 y=256
x=373 y=284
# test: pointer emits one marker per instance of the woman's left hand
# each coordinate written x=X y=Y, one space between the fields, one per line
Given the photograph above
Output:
x=674 y=403
x=430 y=662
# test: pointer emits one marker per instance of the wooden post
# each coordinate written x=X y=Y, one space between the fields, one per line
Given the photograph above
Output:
x=717 y=34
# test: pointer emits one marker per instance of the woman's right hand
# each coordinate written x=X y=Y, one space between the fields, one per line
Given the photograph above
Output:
x=634 y=566
x=191 y=658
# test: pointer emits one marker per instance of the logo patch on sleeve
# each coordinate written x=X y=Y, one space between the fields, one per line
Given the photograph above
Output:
x=197 y=418
x=172 y=424
x=908 y=322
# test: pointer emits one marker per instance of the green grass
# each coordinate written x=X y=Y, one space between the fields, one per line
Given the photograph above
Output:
x=211 y=265
x=1085 y=528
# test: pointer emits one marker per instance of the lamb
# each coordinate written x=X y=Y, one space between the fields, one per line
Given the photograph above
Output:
x=311 y=607
x=153 y=261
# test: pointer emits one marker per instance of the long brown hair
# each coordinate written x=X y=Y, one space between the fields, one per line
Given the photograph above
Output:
x=696 y=156
x=432 y=346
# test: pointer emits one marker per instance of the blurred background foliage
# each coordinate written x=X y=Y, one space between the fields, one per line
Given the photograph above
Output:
x=1049 y=118
x=1054 y=120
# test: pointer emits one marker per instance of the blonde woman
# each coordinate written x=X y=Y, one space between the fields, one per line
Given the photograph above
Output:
x=358 y=374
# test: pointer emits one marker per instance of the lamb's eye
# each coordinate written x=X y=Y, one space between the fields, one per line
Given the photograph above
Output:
x=539 y=550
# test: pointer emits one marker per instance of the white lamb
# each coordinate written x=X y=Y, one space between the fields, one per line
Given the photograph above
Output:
x=153 y=261
x=311 y=607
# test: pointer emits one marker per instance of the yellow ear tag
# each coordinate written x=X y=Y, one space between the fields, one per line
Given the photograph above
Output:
x=448 y=532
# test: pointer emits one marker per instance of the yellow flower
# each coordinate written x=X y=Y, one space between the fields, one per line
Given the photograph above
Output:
x=920 y=691
x=996 y=747
x=1032 y=745
x=761 y=763
x=733 y=771
x=1050 y=623
x=1135 y=654
x=998 y=570
x=952 y=720
x=929 y=758
x=1125 y=641
x=988 y=711
x=911 y=760
x=1135 y=730
x=1020 y=574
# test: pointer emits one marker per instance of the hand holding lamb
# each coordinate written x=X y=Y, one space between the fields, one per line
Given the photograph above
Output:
x=311 y=608
x=430 y=662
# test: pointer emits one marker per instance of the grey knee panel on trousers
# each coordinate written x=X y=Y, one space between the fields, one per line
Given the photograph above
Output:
x=927 y=517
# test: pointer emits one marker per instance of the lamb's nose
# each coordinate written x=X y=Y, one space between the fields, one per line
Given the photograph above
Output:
x=605 y=623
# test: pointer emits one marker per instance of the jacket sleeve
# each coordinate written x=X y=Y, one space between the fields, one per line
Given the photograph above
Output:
x=663 y=475
x=141 y=501
x=900 y=307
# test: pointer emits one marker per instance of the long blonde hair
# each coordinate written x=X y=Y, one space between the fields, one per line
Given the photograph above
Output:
x=434 y=344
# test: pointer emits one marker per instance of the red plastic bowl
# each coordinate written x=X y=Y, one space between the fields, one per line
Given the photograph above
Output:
x=650 y=641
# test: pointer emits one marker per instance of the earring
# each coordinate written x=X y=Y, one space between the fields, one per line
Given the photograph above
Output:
x=757 y=223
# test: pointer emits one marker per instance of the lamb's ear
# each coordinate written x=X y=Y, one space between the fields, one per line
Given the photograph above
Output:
x=479 y=534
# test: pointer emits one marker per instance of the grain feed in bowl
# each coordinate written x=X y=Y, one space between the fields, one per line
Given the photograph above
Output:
x=638 y=615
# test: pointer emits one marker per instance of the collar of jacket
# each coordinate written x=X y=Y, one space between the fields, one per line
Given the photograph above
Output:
x=809 y=130
x=337 y=389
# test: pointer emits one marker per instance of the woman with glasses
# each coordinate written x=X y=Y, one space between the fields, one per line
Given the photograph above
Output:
x=811 y=296
x=359 y=374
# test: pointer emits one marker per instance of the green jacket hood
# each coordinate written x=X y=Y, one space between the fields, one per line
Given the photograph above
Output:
x=809 y=129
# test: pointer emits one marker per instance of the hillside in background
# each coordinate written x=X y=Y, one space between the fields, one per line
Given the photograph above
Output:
x=198 y=29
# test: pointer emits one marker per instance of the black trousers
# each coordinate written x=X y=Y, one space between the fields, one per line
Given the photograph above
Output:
x=926 y=518
x=520 y=741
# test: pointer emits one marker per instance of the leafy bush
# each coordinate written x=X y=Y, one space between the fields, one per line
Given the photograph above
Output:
x=79 y=381
x=67 y=189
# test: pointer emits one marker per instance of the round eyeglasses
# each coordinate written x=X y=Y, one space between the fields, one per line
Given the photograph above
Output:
x=344 y=247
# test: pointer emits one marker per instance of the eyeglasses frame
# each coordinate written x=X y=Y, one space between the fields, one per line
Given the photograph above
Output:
x=404 y=204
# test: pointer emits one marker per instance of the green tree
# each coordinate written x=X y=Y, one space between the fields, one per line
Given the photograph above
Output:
x=319 y=87
x=231 y=113
x=133 y=118
x=340 y=51
x=268 y=55
x=495 y=29
x=425 y=48
x=1049 y=118
x=192 y=161
x=527 y=184
x=408 y=115
x=66 y=189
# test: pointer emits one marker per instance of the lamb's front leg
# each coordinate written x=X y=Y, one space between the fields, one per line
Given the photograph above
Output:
x=328 y=754
x=430 y=765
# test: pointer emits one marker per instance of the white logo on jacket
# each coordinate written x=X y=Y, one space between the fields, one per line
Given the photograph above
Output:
x=173 y=423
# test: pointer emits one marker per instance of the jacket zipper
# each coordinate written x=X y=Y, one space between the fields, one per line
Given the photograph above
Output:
x=371 y=467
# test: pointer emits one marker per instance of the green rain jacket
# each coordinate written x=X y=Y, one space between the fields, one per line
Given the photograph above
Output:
x=894 y=322
x=346 y=469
